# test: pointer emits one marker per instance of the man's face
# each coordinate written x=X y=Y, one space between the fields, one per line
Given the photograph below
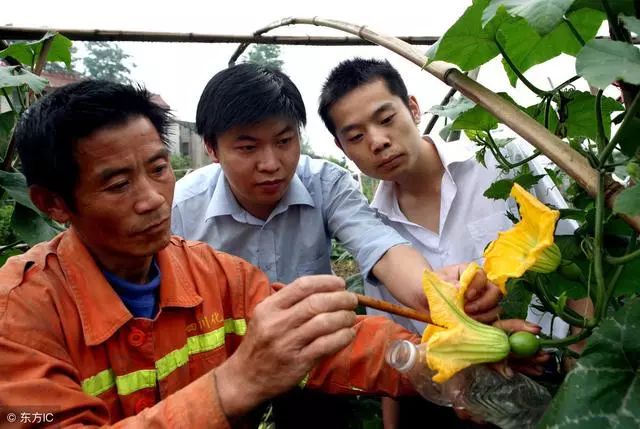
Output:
x=259 y=161
x=124 y=192
x=377 y=131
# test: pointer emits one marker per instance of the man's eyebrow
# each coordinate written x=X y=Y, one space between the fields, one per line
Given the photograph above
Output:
x=383 y=107
x=246 y=137
x=108 y=173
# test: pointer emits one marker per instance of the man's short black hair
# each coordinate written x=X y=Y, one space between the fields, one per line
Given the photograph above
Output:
x=246 y=94
x=48 y=132
x=353 y=73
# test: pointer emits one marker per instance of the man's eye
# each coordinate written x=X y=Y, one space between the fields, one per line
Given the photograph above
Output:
x=355 y=139
x=119 y=186
x=387 y=119
x=285 y=141
x=246 y=148
x=159 y=169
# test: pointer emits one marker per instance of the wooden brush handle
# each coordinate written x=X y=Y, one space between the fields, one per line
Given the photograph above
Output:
x=378 y=304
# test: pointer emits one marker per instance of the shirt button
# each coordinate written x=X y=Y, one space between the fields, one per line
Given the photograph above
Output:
x=136 y=337
x=143 y=403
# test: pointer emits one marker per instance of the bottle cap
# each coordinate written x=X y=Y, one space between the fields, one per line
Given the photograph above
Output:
x=401 y=355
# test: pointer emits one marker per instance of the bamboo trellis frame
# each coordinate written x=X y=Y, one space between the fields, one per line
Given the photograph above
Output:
x=569 y=160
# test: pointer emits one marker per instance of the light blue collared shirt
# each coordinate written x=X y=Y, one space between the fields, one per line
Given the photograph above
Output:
x=322 y=202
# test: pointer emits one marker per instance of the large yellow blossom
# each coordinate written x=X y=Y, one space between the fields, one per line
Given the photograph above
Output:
x=527 y=246
x=458 y=341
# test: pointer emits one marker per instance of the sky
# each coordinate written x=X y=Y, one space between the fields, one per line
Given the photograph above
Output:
x=179 y=71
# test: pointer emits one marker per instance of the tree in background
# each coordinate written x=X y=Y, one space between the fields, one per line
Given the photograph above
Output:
x=106 y=60
x=265 y=55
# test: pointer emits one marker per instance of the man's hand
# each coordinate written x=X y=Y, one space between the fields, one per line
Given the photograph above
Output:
x=289 y=333
x=482 y=296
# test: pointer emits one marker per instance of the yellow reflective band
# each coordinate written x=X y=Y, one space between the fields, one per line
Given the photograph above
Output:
x=134 y=381
x=99 y=383
x=302 y=383
x=137 y=380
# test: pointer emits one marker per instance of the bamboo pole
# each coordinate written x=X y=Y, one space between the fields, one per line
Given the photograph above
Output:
x=559 y=152
x=28 y=33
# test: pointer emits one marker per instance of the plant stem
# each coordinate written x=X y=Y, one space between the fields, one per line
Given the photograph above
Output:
x=548 y=301
x=567 y=341
x=524 y=80
x=574 y=30
x=600 y=290
x=628 y=117
x=547 y=111
x=601 y=139
x=504 y=162
x=566 y=83
x=617 y=260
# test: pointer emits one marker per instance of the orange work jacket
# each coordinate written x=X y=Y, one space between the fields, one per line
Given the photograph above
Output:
x=71 y=349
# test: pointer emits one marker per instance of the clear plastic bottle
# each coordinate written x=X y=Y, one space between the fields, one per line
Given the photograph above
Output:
x=516 y=402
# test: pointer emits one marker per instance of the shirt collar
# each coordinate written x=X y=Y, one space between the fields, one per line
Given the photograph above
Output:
x=223 y=202
x=453 y=152
x=101 y=310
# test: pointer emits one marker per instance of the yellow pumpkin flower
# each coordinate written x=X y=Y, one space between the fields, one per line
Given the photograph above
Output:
x=527 y=246
x=458 y=341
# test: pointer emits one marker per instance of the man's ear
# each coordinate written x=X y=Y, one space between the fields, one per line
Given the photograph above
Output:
x=211 y=152
x=50 y=203
x=414 y=108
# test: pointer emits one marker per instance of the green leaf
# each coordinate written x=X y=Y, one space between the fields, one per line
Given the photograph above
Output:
x=542 y=15
x=624 y=7
x=526 y=48
x=500 y=189
x=628 y=136
x=453 y=109
x=516 y=302
x=601 y=62
x=628 y=201
x=477 y=118
x=16 y=186
x=9 y=253
x=17 y=76
x=31 y=226
x=27 y=52
x=629 y=280
x=467 y=44
x=581 y=115
x=602 y=391
x=632 y=23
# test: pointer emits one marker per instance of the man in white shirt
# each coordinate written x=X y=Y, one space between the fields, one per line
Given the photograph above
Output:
x=431 y=191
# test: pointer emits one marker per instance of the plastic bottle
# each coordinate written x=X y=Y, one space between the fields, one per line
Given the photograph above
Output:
x=516 y=402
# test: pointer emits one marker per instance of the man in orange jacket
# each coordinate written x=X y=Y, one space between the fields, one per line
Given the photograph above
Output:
x=117 y=322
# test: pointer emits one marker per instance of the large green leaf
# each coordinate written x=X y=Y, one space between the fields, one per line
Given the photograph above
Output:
x=15 y=185
x=526 y=48
x=477 y=118
x=500 y=189
x=537 y=112
x=542 y=15
x=624 y=7
x=453 y=109
x=628 y=201
x=603 y=390
x=31 y=226
x=632 y=23
x=17 y=76
x=467 y=44
x=581 y=115
x=601 y=62
x=27 y=52
x=515 y=303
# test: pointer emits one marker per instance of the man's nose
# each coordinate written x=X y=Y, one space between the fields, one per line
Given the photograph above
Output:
x=149 y=197
x=269 y=161
x=379 y=141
